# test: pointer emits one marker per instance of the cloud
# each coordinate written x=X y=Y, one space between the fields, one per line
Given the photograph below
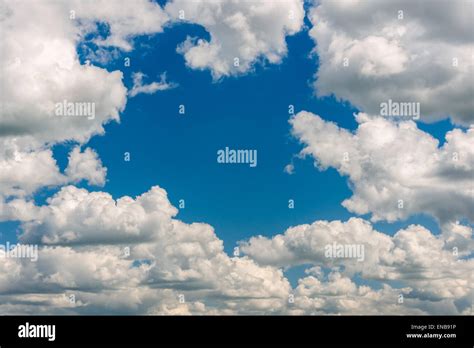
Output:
x=76 y=216
x=336 y=293
x=85 y=165
x=41 y=68
x=305 y=244
x=22 y=173
x=174 y=267
x=425 y=264
x=395 y=169
x=139 y=87
x=83 y=235
x=240 y=35
x=370 y=52
x=125 y=20
x=289 y=169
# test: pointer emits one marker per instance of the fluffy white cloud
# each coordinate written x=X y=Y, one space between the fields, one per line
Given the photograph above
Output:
x=41 y=68
x=458 y=237
x=425 y=264
x=22 y=173
x=247 y=31
x=125 y=19
x=85 y=165
x=395 y=169
x=305 y=244
x=337 y=293
x=425 y=56
x=76 y=216
x=91 y=231
x=169 y=261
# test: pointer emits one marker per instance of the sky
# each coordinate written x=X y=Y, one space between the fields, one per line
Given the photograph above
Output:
x=64 y=184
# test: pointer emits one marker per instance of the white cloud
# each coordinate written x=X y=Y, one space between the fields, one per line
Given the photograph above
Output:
x=91 y=230
x=139 y=87
x=305 y=244
x=85 y=165
x=289 y=169
x=41 y=68
x=424 y=264
x=22 y=173
x=169 y=259
x=390 y=162
x=339 y=294
x=406 y=60
x=76 y=216
x=125 y=19
x=247 y=31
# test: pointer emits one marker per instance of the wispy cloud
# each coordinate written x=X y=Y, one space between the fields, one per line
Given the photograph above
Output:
x=150 y=88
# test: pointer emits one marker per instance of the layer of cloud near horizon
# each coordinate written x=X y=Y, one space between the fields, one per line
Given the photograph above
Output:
x=132 y=256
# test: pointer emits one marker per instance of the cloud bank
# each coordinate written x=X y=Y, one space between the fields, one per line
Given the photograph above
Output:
x=371 y=51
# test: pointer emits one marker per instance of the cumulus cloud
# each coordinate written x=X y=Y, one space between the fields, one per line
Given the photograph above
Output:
x=150 y=88
x=22 y=173
x=395 y=169
x=336 y=293
x=132 y=256
x=76 y=216
x=85 y=165
x=425 y=264
x=305 y=244
x=41 y=68
x=241 y=33
x=83 y=236
x=372 y=51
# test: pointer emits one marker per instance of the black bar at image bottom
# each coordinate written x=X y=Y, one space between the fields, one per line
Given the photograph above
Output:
x=77 y=331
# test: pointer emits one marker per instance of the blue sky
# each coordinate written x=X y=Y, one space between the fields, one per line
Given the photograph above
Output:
x=178 y=152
